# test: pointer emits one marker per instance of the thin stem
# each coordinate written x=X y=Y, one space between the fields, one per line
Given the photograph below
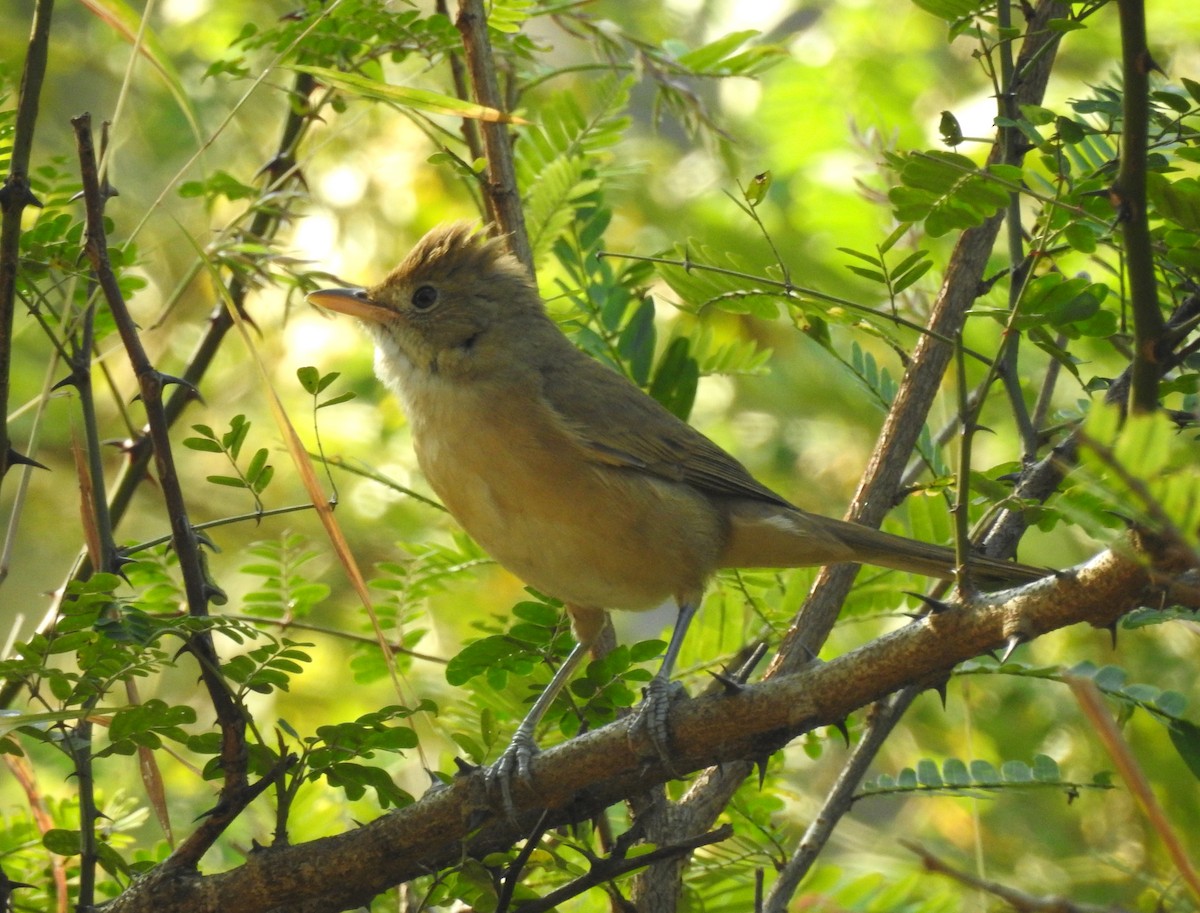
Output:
x=882 y=720
x=503 y=197
x=1130 y=190
x=15 y=195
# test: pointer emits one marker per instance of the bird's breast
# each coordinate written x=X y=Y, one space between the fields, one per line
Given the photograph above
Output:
x=587 y=533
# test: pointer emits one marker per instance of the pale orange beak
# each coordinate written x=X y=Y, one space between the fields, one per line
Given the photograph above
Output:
x=353 y=301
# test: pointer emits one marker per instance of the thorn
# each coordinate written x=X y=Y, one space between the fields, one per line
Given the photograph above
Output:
x=935 y=606
x=275 y=166
x=120 y=562
x=732 y=687
x=206 y=540
x=760 y=763
x=1112 y=629
x=1014 y=641
x=436 y=783
x=751 y=663
x=167 y=379
x=107 y=192
x=16 y=190
x=465 y=768
x=940 y=688
x=71 y=380
x=840 y=726
x=19 y=459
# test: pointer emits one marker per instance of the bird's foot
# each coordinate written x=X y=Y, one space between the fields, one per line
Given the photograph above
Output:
x=651 y=717
x=512 y=767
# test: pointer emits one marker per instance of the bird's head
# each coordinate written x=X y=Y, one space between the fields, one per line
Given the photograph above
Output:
x=453 y=305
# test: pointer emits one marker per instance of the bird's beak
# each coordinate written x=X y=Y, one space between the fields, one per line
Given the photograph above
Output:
x=353 y=301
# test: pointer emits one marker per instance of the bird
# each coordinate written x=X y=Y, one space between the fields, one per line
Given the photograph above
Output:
x=571 y=476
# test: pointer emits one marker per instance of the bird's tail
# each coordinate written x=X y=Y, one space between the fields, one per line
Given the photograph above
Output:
x=764 y=535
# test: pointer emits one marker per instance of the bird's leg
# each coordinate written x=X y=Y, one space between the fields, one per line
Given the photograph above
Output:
x=513 y=763
x=656 y=699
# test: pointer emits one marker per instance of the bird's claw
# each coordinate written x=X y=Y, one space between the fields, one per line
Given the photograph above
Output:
x=511 y=767
x=651 y=716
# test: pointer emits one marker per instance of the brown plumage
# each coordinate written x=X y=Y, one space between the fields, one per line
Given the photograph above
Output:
x=567 y=473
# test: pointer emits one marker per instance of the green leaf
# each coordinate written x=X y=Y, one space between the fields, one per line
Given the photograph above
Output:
x=202 y=444
x=340 y=398
x=947 y=191
x=309 y=378
x=1177 y=200
x=952 y=10
x=62 y=842
x=1185 y=737
x=637 y=341
x=1045 y=769
x=705 y=59
x=257 y=464
x=227 y=481
x=406 y=97
x=677 y=378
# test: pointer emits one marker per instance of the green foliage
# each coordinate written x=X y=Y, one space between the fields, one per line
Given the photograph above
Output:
x=336 y=750
x=946 y=191
x=566 y=157
x=256 y=475
x=286 y=590
x=958 y=778
x=702 y=278
x=633 y=120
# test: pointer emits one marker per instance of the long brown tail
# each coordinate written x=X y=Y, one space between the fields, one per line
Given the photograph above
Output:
x=764 y=535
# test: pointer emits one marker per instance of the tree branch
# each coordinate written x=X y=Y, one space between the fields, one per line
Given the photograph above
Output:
x=1129 y=197
x=590 y=772
x=503 y=197
x=15 y=195
x=879 y=488
x=183 y=538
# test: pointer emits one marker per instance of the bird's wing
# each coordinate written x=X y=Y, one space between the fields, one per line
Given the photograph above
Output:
x=617 y=424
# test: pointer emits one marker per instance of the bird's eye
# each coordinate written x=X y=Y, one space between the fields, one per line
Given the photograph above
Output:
x=424 y=297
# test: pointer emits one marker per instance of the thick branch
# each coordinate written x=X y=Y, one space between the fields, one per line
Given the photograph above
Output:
x=589 y=773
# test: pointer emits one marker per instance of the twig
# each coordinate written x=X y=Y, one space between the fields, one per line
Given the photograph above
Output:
x=1129 y=197
x=470 y=128
x=1018 y=900
x=603 y=870
x=198 y=590
x=501 y=193
x=138 y=450
x=883 y=719
x=1043 y=478
x=1092 y=705
x=15 y=195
